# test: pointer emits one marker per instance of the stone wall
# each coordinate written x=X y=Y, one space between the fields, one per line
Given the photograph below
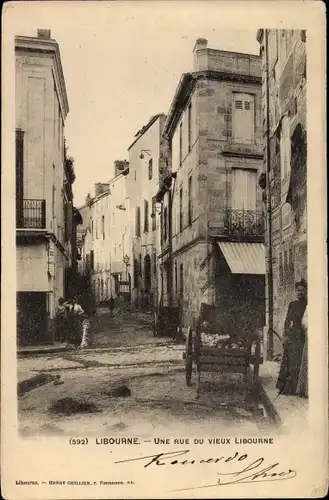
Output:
x=287 y=107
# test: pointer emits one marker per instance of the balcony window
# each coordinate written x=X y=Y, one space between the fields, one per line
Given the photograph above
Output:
x=243 y=223
x=244 y=189
x=33 y=214
x=243 y=118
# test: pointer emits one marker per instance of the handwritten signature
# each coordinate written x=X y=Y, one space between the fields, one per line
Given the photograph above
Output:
x=254 y=472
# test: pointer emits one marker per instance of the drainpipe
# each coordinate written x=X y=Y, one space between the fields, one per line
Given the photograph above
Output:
x=268 y=207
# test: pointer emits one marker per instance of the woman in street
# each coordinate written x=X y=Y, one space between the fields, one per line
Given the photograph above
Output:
x=61 y=321
x=75 y=318
x=302 y=387
x=293 y=342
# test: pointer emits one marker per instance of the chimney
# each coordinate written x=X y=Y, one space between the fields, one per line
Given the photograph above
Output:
x=44 y=34
x=120 y=166
x=101 y=187
x=200 y=56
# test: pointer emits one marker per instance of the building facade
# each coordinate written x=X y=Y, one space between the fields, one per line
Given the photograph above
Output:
x=212 y=215
x=44 y=199
x=105 y=242
x=148 y=165
x=284 y=174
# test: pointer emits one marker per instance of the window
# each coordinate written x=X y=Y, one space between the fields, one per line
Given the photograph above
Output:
x=146 y=216
x=96 y=223
x=244 y=189
x=181 y=209
x=285 y=148
x=243 y=118
x=103 y=227
x=176 y=279
x=190 y=200
x=291 y=266
x=150 y=169
x=92 y=230
x=136 y=272
x=181 y=143
x=189 y=115
x=91 y=260
x=281 y=269
x=165 y=229
x=19 y=175
x=138 y=221
x=181 y=280
x=154 y=263
x=153 y=215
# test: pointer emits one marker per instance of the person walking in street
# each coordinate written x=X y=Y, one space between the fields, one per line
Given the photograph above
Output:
x=111 y=306
x=293 y=342
x=302 y=386
x=61 y=321
x=75 y=318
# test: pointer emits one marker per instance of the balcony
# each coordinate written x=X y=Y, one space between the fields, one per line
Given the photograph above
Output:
x=31 y=214
x=238 y=224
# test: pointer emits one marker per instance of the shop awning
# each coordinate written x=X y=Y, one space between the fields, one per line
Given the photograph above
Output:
x=244 y=258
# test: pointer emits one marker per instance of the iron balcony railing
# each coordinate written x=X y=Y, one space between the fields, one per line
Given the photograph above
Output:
x=31 y=214
x=239 y=224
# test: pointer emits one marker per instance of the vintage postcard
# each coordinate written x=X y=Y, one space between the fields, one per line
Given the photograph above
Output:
x=164 y=322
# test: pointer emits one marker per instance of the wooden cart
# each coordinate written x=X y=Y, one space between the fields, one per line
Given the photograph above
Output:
x=235 y=354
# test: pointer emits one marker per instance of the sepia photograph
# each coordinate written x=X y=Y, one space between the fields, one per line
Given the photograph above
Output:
x=161 y=228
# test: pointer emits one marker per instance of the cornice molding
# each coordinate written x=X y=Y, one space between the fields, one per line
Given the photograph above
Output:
x=187 y=85
x=51 y=48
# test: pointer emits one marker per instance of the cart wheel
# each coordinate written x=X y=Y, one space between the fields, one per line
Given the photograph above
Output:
x=188 y=356
x=197 y=383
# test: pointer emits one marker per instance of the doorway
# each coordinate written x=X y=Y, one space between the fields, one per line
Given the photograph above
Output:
x=32 y=325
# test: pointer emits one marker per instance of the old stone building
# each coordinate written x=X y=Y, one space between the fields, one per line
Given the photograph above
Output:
x=105 y=241
x=212 y=218
x=44 y=198
x=148 y=165
x=284 y=173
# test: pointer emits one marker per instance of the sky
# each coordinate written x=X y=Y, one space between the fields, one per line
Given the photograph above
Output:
x=122 y=62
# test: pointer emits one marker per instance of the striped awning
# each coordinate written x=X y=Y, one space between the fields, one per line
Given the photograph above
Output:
x=244 y=258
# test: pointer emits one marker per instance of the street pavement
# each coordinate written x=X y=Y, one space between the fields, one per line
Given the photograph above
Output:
x=125 y=353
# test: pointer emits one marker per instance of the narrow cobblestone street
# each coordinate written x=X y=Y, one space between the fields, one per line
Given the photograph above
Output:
x=125 y=353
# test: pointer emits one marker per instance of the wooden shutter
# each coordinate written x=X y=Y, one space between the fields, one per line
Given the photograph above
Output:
x=19 y=176
x=244 y=189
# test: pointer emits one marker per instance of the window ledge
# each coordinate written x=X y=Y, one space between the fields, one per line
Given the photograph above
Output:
x=244 y=150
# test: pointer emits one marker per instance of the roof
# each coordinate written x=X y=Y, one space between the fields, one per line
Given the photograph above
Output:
x=51 y=47
x=144 y=129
